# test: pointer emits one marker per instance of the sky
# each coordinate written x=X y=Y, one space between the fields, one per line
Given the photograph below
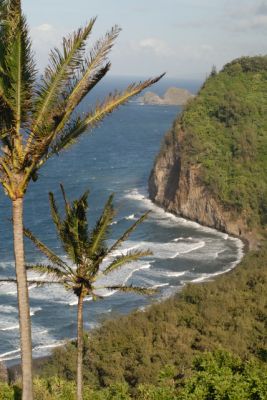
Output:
x=183 y=38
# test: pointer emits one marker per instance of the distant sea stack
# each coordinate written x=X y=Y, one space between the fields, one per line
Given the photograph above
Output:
x=172 y=97
x=212 y=166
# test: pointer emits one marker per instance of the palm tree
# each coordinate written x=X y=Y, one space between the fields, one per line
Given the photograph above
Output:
x=87 y=255
x=37 y=121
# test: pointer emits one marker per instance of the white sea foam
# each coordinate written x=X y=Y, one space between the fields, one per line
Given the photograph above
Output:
x=175 y=274
x=199 y=245
x=186 y=247
x=10 y=355
x=163 y=217
x=182 y=238
x=44 y=349
x=11 y=328
x=42 y=332
x=14 y=292
x=50 y=346
x=118 y=278
x=131 y=217
x=34 y=310
x=75 y=302
x=7 y=309
x=159 y=285
x=167 y=250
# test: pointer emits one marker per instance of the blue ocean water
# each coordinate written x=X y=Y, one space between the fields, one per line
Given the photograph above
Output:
x=116 y=158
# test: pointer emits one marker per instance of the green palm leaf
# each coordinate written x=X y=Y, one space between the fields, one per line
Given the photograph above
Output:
x=51 y=270
x=67 y=205
x=99 y=234
x=17 y=77
x=54 y=212
x=60 y=70
x=91 y=71
x=127 y=233
x=94 y=117
x=118 y=242
x=74 y=228
x=30 y=282
x=125 y=259
x=133 y=289
x=46 y=251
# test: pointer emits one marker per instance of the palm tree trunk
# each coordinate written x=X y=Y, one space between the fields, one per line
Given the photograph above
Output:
x=23 y=301
x=80 y=349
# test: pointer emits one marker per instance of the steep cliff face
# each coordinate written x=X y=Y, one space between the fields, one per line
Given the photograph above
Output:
x=194 y=170
x=178 y=189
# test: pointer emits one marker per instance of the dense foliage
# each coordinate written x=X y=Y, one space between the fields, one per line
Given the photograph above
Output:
x=217 y=375
x=229 y=313
x=226 y=135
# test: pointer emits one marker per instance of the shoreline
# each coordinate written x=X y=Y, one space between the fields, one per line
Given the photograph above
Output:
x=14 y=370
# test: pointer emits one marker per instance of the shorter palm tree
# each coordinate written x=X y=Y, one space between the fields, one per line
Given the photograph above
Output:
x=90 y=258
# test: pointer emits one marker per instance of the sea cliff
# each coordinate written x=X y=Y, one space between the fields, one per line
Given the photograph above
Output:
x=211 y=165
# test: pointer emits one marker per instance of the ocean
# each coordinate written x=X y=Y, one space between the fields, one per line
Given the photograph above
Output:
x=116 y=158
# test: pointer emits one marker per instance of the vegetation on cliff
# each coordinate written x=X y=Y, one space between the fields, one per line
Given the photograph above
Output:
x=217 y=375
x=225 y=130
x=227 y=314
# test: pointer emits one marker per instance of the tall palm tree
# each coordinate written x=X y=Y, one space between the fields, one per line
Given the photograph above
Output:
x=89 y=258
x=37 y=121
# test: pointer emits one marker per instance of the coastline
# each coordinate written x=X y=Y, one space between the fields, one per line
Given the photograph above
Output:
x=14 y=370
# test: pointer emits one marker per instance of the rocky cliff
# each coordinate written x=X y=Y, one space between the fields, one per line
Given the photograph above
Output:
x=178 y=189
x=182 y=181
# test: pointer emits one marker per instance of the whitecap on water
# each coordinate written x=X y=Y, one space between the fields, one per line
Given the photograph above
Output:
x=10 y=328
x=131 y=217
x=175 y=274
x=10 y=355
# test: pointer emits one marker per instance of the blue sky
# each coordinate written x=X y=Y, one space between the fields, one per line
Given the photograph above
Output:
x=183 y=38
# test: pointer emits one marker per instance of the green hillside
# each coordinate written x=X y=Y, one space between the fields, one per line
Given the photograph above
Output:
x=226 y=134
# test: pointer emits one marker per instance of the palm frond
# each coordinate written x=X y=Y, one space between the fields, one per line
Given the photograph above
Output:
x=127 y=233
x=51 y=270
x=67 y=205
x=94 y=117
x=47 y=252
x=73 y=229
x=54 y=212
x=118 y=242
x=91 y=71
x=99 y=233
x=61 y=69
x=133 y=289
x=125 y=259
x=30 y=282
x=18 y=77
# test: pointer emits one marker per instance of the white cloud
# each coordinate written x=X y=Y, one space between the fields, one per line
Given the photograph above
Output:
x=44 y=38
x=157 y=46
x=44 y=28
